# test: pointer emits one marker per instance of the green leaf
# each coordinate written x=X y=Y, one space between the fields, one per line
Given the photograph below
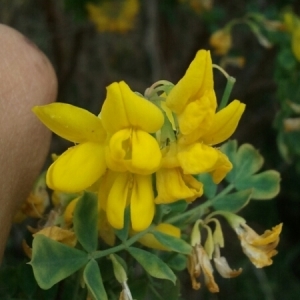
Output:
x=138 y=287
x=209 y=187
x=173 y=243
x=287 y=59
x=86 y=221
x=92 y=278
x=152 y=264
x=53 y=261
x=233 y=202
x=26 y=280
x=178 y=206
x=168 y=291
x=265 y=185
x=176 y=261
x=8 y=287
x=246 y=161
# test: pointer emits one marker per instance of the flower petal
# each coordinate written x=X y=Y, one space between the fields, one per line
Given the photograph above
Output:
x=137 y=150
x=197 y=158
x=221 y=168
x=224 y=269
x=70 y=122
x=198 y=115
x=207 y=270
x=142 y=202
x=77 y=168
x=146 y=155
x=129 y=110
x=172 y=185
x=225 y=123
x=197 y=79
x=117 y=200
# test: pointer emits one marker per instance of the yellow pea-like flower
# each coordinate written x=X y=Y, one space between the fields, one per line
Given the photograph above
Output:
x=82 y=165
x=131 y=146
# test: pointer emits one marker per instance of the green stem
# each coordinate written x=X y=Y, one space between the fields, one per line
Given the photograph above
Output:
x=124 y=245
x=227 y=92
x=198 y=211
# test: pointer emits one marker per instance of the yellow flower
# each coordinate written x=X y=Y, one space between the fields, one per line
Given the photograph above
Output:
x=82 y=165
x=193 y=100
x=131 y=147
x=150 y=241
x=194 y=103
x=220 y=40
x=113 y=15
x=259 y=248
x=132 y=155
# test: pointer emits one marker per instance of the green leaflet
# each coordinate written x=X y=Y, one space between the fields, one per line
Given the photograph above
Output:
x=85 y=221
x=152 y=264
x=246 y=162
x=173 y=243
x=264 y=185
x=233 y=202
x=53 y=261
x=175 y=261
x=92 y=278
x=209 y=187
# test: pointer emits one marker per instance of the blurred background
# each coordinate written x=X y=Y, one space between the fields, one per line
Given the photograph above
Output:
x=92 y=43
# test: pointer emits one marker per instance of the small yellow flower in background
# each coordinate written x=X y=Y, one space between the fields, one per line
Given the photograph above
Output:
x=82 y=165
x=259 y=248
x=292 y=25
x=296 y=42
x=221 y=41
x=36 y=203
x=58 y=234
x=236 y=61
x=114 y=15
x=291 y=124
x=55 y=233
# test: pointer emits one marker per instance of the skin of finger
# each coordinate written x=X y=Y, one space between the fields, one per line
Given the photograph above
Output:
x=26 y=79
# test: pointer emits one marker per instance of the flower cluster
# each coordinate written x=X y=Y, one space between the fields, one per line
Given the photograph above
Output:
x=168 y=136
x=259 y=249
